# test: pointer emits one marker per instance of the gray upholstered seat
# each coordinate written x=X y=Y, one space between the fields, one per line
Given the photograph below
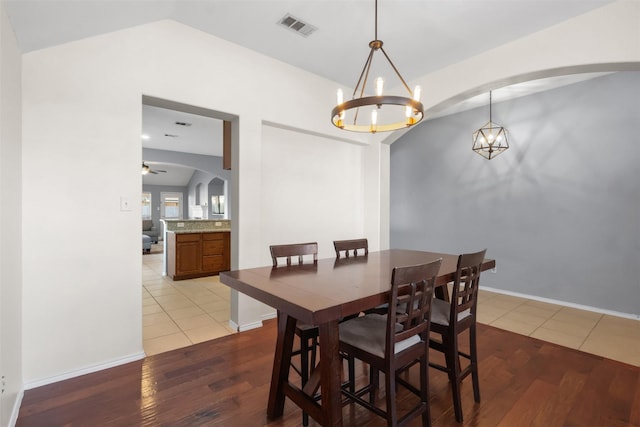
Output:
x=369 y=332
x=440 y=311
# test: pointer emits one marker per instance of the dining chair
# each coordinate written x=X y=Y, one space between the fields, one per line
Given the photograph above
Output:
x=307 y=334
x=345 y=247
x=450 y=319
x=393 y=342
x=351 y=245
x=293 y=250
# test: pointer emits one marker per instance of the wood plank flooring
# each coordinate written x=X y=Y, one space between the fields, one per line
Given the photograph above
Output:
x=225 y=382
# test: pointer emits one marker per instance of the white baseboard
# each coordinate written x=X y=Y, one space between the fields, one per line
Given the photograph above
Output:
x=563 y=303
x=16 y=409
x=271 y=315
x=252 y=325
x=233 y=325
x=82 y=371
x=246 y=327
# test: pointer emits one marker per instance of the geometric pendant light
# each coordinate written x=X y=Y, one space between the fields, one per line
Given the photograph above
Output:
x=491 y=139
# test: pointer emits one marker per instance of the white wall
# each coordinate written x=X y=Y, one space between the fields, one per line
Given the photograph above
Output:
x=10 y=223
x=313 y=190
x=82 y=111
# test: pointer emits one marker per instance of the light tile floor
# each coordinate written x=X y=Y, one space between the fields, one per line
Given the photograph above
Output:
x=608 y=336
x=178 y=314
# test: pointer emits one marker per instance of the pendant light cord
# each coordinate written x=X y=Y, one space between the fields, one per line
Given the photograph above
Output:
x=490 y=119
x=376 y=19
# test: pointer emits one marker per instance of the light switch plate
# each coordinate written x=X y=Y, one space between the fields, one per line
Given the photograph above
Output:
x=125 y=204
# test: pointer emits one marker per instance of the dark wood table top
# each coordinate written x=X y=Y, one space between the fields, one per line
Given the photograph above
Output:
x=332 y=289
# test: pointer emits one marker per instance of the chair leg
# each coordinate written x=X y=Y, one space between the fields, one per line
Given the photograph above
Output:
x=424 y=389
x=351 y=363
x=314 y=349
x=453 y=368
x=390 y=391
x=374 y=382
x=304 y=371
x=474 y=363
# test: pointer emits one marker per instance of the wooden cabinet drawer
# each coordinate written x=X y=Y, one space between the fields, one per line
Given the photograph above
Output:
x=213 y=247
x=213 y=263
x=214 y=236
x=188 y=237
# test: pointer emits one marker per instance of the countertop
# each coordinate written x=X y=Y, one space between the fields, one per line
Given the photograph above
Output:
x=221 y=230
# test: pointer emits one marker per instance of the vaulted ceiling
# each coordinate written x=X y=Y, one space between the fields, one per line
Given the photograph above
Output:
x=419 y=35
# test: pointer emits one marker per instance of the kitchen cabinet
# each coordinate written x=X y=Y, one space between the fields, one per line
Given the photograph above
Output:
x=197 y=254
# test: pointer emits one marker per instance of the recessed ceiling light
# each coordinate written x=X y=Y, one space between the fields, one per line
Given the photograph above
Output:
x=145 y=136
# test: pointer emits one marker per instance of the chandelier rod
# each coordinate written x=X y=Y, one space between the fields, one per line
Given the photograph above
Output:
x=396 y=70
x=490 y=120
x=376 y=21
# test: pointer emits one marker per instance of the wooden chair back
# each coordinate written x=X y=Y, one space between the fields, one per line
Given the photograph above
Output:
x=464 y=295
x=351 y=245
x=293 y=250
x=411 y=293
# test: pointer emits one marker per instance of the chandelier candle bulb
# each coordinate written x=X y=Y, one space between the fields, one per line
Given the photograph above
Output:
x=340 y=96
x=379 y=86
x=416 y=93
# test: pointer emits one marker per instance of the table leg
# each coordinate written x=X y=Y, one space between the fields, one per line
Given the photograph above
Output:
x=281 y=362
x=331 y=367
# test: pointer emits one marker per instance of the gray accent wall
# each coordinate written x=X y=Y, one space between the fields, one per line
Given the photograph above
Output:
x=559 y=210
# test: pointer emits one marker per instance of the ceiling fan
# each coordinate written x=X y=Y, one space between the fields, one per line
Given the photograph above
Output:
x=146 y=169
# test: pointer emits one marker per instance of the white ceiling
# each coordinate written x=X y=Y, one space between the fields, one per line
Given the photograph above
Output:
x=171 y=130
x=176 y=175
x=420 y=36
x=198 y=135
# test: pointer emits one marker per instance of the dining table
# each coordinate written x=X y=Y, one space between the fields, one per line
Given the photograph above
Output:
x=321 y=293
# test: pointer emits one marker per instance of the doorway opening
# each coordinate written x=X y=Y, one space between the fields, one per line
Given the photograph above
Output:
x=187 y=151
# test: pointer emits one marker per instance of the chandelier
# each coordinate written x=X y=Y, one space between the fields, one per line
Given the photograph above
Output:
x=381 y=113
x=491 y=139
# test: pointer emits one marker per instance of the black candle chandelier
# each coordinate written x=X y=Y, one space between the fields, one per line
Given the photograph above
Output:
x=386 y=112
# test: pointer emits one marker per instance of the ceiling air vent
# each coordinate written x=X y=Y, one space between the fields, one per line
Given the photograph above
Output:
x=183 y=124
x=170 y=135
x=297 y=26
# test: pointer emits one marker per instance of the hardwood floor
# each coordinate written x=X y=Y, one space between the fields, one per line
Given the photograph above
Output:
x=225 y=382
